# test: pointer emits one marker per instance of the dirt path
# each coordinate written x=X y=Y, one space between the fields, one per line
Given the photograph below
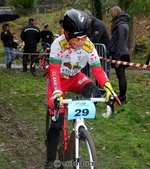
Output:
x=22 y=150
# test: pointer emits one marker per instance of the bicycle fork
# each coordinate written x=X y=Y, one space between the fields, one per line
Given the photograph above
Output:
x=65 y=133
x=77 y=125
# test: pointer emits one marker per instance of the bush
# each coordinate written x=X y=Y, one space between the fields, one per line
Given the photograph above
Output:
x=23 y=6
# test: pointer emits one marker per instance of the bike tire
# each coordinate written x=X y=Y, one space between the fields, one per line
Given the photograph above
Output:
x=36 y=68
x=87 y=149
x=48 y=118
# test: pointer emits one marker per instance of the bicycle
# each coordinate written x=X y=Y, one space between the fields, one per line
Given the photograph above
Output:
x=77 y=149
x=39 y=64
x=19 y=51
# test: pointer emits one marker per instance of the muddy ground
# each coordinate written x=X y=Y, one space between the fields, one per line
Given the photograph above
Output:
x=24 y=149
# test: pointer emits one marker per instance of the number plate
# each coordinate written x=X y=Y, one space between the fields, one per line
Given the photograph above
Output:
x=81 y=109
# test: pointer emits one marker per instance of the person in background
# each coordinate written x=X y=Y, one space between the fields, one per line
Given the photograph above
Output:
x=118 y=46
x=69 y=53
x=98 y=34
x=61 y=26
x=46 y=36
x=148 y=59
x=30 y=35
x=7 y=39
x=55 y=36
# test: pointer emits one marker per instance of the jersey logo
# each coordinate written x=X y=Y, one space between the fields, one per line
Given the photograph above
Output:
x=88 y=47
x=64 y=44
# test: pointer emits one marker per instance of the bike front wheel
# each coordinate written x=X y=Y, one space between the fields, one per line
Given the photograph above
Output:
x=38 y=66
x=85 y=152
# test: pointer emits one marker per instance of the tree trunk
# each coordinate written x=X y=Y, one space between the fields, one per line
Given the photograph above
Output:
x=2 y=3
x=98 y=9
x=124 y=4
x=131 y=40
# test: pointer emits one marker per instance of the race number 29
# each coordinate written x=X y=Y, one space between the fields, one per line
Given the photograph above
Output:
x=81 y=109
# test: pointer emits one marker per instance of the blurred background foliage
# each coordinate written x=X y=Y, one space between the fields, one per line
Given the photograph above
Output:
x=133 y=7
x=99 y=8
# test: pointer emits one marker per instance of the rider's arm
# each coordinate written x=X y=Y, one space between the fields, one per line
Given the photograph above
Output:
x=99 y=75
x=54 y=74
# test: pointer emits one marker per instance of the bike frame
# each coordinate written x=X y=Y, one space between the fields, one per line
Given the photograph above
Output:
x=77 y=124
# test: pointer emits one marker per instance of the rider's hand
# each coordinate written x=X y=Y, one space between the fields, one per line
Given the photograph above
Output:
x=52 y=101
x=109 y=91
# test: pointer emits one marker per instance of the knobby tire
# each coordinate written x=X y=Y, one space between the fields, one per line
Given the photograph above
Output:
x=86 y=138
x=35 y=68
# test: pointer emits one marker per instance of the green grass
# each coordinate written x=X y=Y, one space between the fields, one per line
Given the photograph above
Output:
x=121 y=142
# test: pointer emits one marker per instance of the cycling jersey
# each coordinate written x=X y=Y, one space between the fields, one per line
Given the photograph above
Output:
x=71 y=60
x=67 y=61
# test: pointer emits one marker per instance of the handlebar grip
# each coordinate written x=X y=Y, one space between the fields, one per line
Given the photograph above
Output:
x=56 y=115
x=54 y=118
x=108 y=112
x=56 y=111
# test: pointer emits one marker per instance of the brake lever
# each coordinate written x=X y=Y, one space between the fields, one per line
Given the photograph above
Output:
x=111 y=104
x=56 y=111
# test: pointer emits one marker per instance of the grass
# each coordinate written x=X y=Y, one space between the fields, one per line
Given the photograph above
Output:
x=121 y=142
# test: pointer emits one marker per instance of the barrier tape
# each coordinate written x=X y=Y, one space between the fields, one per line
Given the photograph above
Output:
x=21 y=53
x=138 y=65
x=127 y=63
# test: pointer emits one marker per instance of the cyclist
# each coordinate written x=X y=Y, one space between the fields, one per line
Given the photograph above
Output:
x=70 y=52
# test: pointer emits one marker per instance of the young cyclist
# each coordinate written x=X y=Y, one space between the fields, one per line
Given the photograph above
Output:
x=70 y=52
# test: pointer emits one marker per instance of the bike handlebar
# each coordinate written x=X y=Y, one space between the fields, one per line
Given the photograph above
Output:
x=66 y=101
x=109 y=108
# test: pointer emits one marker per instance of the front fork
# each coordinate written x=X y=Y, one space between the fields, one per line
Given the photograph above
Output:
x=78 y=123
x=65 y=132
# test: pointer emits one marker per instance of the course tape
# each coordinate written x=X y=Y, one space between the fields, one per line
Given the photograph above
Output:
x=127 y=63
x=21 y=53
x=138 y=65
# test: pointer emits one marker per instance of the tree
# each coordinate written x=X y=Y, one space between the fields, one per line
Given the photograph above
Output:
x=134 y=8
x=2 y=2
x=98 y=9
x=24 y=6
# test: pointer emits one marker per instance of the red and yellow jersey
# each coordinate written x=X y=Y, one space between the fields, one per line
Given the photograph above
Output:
x=68 y=61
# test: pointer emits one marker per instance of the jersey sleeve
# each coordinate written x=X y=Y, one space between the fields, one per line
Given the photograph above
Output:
x=54 y=75
x=55 y=65
x=100 y=75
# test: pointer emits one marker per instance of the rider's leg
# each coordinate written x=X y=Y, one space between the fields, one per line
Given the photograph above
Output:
x=91 y=90
x=53 y=136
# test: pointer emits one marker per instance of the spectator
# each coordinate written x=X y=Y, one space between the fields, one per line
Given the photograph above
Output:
x=30 y=34
x=46 y=36
x=118 y=46
x=70 y=52
x=148 y=59
x=61 y=26
x=7 y=39
x=98 y=34
x=55 y=36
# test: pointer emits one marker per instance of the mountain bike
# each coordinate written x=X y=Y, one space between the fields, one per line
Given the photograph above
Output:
x=39 y=64
x=19 y=51
x=77 y=149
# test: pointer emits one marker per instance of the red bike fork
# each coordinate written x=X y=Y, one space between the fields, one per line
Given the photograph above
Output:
x=65 y=132
x=42 y=62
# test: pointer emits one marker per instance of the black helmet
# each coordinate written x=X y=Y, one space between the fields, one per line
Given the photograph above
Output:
x=75 y=23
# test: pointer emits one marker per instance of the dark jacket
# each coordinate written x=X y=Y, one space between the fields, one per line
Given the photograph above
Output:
x=47 y=36
x=99 y=33
x=120 y=33
x=31 y=35
x=7 y=39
